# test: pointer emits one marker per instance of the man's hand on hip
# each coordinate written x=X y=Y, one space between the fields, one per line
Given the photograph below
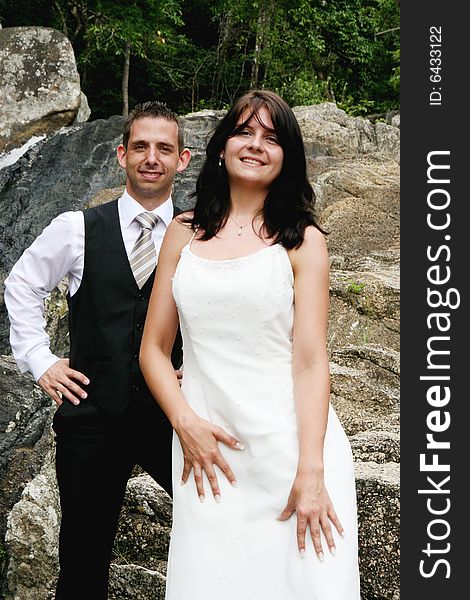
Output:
x=60 y=381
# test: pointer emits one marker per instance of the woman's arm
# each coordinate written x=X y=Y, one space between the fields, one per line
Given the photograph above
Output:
x=199 y=438
x=309 y=497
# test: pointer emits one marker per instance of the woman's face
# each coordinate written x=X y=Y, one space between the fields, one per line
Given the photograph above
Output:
x=254 y=156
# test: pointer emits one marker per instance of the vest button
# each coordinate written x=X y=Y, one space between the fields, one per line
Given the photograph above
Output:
x=135 y=388
x=139 y=326
x=141 y=297
x=136 y=356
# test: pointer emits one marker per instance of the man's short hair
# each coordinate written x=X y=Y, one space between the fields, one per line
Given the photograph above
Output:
x=157 y=110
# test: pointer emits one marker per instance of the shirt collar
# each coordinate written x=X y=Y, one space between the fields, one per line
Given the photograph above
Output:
x=130 y=208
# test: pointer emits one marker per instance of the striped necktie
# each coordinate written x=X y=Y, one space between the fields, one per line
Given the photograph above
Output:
x=143 y=256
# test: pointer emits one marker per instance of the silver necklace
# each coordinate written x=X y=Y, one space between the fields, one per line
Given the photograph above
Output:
x=240 y=227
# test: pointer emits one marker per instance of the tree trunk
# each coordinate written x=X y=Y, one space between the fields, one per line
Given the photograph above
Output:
x=258 y=47
x=265 y=12
x=125 y=80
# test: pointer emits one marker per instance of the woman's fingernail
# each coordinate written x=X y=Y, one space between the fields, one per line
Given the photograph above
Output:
x=321 y=558
x=201 y=498
x=84 y=395
x=234 y=484
x=86 y=381
x=217 y=498
x=333 y=550
x=239 y=446
x=302 y=552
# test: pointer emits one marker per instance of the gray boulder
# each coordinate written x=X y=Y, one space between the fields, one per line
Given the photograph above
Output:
x=329 y=131
x=60 y=172
x=378 y=504
x=139 y=567
x=25 y=421
x=32 y=538
x=84 y=111
x=39 y=83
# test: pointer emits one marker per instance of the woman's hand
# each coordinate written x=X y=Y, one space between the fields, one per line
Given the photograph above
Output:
x=310 y=500
x=199 y=439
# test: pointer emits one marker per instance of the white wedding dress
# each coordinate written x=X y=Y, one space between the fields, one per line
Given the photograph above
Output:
x=236 y=320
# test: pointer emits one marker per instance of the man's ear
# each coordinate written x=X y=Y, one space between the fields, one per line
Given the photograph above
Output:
x=121 y=155
x=184 y=158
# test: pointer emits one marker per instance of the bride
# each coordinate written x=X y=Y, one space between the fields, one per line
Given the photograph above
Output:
x=246 y=277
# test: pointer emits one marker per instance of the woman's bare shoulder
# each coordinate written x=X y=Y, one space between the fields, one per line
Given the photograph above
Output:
x=179 y=231
x=313 y=248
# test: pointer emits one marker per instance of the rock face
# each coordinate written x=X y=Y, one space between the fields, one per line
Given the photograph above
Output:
x=32 y=537
x=353 y=167
x=378 y=503
x=25 y=420
x=141 y=548
x=39 y=83
x=60 y=172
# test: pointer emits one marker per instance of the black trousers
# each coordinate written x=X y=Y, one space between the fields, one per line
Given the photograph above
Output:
x=95 y=456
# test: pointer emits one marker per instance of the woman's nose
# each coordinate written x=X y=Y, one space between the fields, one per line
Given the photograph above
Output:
x=256 y=142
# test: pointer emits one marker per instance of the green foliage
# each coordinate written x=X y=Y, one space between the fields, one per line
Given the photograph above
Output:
x=356 y=287
x=203 y=53
x=144 y=24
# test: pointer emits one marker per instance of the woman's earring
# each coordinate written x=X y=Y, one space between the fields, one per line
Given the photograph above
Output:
x=220 y=161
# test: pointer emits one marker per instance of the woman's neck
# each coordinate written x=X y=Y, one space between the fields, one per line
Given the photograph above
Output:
x=246 y=203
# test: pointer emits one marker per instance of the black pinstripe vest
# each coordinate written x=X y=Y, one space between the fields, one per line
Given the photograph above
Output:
x=107 y=316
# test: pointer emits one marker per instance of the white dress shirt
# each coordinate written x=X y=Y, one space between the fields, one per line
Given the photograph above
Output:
x=56 y=253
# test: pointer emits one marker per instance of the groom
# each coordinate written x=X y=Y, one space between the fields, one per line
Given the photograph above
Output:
x=107 y=421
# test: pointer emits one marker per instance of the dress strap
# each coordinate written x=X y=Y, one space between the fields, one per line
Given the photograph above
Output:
x=192 y=237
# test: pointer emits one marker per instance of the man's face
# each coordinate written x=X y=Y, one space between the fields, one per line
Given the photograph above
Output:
x=152 y=160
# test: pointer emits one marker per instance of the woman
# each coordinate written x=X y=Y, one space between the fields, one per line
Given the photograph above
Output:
x=256 y=379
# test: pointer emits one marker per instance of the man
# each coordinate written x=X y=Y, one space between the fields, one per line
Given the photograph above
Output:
x=107 y=421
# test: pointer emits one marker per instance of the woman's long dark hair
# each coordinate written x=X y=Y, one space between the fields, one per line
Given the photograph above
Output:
x=288 y=208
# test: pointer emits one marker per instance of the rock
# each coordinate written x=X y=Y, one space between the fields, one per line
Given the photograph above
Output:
x=376 y=446
x=143 y=534
x=40 y=85
x=365 y=388
x=131 y=582
x=25 y=421
x=358 y=203
x=84 y=111
x=197 y=128
x=329 y=131
x=378 y=497
x=143 y=537
x=32 y=538
x=60 y=172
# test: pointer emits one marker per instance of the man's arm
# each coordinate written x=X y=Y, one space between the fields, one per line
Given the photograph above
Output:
x=57 y=252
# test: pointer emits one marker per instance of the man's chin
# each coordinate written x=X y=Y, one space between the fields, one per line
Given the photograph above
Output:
x=150 y=191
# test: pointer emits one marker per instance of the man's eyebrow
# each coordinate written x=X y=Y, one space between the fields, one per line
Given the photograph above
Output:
x=159 y=143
